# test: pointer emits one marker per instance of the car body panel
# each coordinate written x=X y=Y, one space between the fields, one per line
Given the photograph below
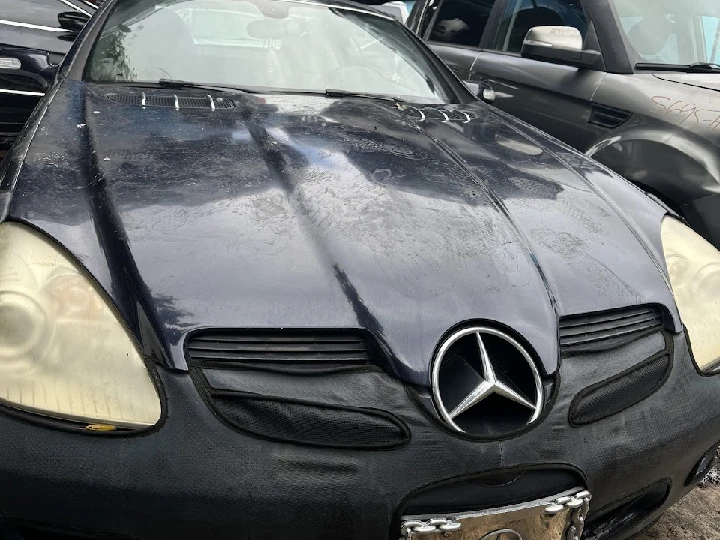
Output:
x=554 y=97
x=335 y=198
x=304 y=212
x=199 y=474
x=668 y=146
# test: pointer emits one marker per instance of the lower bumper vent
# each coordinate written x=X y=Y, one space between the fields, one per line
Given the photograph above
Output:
x=312 y=424
x=620 y=392
x=629 y=513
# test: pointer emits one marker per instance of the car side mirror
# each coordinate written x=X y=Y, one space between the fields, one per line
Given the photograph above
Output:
x=73 y=21
x=558 y=44
x=481 y=90
x=28 y=64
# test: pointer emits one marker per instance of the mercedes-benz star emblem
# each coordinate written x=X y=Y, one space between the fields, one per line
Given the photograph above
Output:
x=484 y=379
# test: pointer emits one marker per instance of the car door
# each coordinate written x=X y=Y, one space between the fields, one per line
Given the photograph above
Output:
x=453 y=29
x=556 y=98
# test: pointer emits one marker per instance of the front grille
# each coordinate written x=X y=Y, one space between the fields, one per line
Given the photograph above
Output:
x=174 y=101
x=607 y=330
x=621 y=392
x=275 y=346
x=608 y=117
x=307 y=387
x=490 y=491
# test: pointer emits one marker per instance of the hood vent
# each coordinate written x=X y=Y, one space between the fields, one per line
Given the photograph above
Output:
x=172 y=101
x=438 y=114
x=608 y=330
x=607 y=117
x=277 y=346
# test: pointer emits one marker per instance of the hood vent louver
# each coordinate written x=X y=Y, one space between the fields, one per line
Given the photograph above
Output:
x=172 y=101
x=597 y=332
x=608 y=117
x=277 y=347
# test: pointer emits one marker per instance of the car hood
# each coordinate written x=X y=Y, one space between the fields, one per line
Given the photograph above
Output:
x=708 y=81
x=309 y=212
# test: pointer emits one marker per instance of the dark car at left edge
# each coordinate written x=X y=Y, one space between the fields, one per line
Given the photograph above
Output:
x=34 y=27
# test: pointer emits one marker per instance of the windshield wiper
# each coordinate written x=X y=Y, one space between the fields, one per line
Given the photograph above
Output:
x=332 y=93
x=697 y=67
x=171 y=83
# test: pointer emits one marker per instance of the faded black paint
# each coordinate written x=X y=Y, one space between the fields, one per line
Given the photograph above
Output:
x=298 y=211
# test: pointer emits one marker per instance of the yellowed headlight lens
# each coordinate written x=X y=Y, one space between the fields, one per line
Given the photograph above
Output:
x=694 y=269
x=63 y=349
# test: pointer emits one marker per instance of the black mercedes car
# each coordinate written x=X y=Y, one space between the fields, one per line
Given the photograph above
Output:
x=44 y=31
x=269 y=270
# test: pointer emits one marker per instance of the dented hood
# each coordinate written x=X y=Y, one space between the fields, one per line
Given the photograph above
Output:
x=309 y=212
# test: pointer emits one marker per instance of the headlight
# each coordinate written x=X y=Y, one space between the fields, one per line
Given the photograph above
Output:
x=64 y=352
x=694 y=268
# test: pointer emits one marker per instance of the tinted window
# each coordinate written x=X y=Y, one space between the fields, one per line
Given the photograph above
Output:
x=671 y=31
x=522 y=15
x=461 y=22
x=265 y=45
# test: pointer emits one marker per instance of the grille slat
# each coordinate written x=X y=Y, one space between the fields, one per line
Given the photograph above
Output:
x=267 y=348
x=612 y=327
x=270 y=346
x=607 y=318
x=275 y=357
x=229 y=338
x=605 y=331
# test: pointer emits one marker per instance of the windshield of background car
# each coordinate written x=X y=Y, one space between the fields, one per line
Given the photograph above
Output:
x=672 y=31
x=268 y=45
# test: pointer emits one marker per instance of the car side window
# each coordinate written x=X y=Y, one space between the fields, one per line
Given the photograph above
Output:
x=522 y=15
x=711 y=33
x=461 y=22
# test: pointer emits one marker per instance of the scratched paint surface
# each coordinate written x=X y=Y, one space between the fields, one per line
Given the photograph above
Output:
x=325 y=213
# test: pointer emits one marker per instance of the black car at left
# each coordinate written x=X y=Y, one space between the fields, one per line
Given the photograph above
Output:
x=45 y=31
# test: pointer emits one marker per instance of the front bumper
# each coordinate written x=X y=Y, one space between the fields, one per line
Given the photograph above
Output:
x=196 y=477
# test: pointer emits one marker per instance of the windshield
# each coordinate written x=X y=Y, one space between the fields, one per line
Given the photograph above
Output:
x=671 y=31
x=269 y=45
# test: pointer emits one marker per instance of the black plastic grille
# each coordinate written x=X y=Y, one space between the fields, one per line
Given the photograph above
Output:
x=608 y=117
x=621 y=392
x=310 y=423
x=273 y=346
x=607 y=330
x=126 y=99
x=180 y=102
